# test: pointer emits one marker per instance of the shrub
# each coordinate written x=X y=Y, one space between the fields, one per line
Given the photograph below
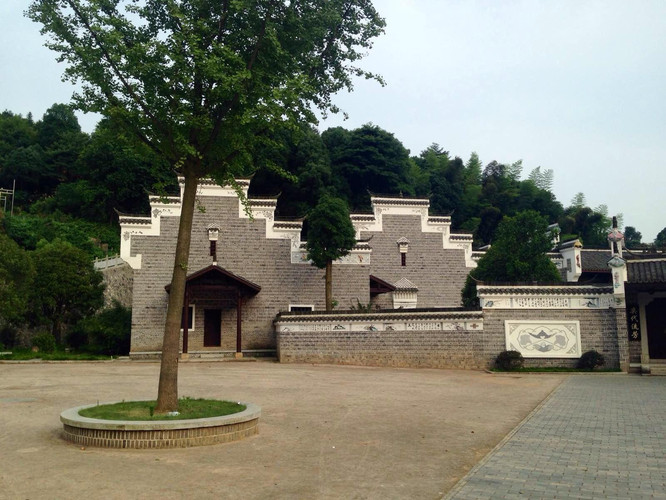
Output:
x=590 y=360
x=7 y=337
x=45 y=342
x=509 y=360
x=105 y=333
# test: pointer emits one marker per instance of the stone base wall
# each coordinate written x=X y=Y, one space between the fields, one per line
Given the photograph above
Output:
x=598 y=331
x=119 y=282
x=423 y=349
x=177 y=438
x=396 y=339
x=402 y=339
x=159 y=433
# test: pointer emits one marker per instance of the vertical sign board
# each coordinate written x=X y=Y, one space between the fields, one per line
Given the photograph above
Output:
x=634 y=322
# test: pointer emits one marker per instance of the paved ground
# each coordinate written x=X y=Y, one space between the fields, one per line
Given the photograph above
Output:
x=596 y=436
x=326 y=432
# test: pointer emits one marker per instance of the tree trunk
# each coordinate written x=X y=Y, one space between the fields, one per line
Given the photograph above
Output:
x=167 y=393
x=329 y=285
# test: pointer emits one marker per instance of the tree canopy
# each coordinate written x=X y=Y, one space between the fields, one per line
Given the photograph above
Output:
x=203 y=83
x=518 y=254
x=331 y=235
x=67 y=288
x=660 y=240
x=16 y=277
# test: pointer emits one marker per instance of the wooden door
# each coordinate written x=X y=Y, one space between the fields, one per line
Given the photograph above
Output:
x=212 y=327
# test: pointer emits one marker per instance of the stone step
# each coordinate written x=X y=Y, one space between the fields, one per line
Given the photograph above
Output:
x=658 y=368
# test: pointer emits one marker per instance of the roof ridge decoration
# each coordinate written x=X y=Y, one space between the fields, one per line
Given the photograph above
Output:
x=403 y=284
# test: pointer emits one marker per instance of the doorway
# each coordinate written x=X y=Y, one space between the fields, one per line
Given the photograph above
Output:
x=655 y=319
x=212 y=327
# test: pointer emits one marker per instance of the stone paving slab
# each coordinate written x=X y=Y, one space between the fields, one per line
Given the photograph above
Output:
x=596 y=436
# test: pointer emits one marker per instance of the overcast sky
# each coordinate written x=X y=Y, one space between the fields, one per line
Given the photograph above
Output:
x=576 y=86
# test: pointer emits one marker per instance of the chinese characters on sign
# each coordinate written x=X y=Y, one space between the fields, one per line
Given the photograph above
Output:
x=633 y=322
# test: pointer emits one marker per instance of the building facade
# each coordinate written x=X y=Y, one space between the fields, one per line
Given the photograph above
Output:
x=252 y=291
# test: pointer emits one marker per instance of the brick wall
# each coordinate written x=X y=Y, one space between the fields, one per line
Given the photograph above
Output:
x=243 y=249
x=315 y=340
x=599 y=331
x=462 y=347
x=438 y=273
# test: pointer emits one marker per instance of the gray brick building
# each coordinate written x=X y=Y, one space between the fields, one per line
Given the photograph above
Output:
x=249 y=279
x=265 y=259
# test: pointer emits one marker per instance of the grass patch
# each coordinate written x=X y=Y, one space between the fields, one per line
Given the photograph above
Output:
x=547 y=369
x=28 y=354
x=143 y=410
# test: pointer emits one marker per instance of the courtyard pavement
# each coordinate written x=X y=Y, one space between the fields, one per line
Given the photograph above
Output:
x=596 y=436
x=326 y=432
x=330 y=432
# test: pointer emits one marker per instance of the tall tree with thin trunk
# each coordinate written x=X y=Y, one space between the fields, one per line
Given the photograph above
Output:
x=202 y=83
x=331 y=235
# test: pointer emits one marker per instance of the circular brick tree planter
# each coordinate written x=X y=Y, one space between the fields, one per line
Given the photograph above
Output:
x=160 y=433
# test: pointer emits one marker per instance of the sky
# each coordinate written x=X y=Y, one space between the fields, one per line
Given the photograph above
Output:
x=576 y=86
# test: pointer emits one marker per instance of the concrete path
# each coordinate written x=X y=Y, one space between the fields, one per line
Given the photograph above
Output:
x=326 y=432
x=596 y=436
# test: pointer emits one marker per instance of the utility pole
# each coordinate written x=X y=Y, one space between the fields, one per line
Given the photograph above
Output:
x=5 y=194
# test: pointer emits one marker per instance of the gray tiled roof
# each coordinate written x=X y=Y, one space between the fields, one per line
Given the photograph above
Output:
x=646 y=271
x=595 y=260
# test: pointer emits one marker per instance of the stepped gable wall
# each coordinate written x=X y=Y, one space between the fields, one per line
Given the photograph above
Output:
x=266 y=252
x=436 y=261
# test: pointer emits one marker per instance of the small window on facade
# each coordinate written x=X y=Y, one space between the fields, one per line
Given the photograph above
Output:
x=300 y=308
x=403 y=247
x=190 y=319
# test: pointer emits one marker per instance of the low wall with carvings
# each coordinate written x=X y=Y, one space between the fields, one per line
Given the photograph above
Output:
x=415 y=338
x=554 y=325
x=550 y=326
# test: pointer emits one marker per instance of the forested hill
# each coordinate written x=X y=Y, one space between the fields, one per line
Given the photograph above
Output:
x=68 y=183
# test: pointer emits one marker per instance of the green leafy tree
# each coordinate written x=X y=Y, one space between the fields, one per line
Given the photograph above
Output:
x=590 y=226
x=115 y=174
x=542 y=179
x=28 y=230
x=660 y=240
x=518 y=254
x=19 y=153
x=578 y=201
x=445 y=180
x=302 y=154
x=632 y=238
x=202 y=83
x=107 y=332
x=370 y=159
x=67 y=286
x=16 y=277
x=331 y=235
x=60 y=137
x=515 y=170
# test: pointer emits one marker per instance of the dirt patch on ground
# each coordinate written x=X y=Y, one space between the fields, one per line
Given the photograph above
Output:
x=325 y=431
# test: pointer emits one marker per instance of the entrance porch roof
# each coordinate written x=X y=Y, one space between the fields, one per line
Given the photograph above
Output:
x=215 y=277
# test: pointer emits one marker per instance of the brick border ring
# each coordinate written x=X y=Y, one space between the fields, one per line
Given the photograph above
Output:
x=159 y=433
